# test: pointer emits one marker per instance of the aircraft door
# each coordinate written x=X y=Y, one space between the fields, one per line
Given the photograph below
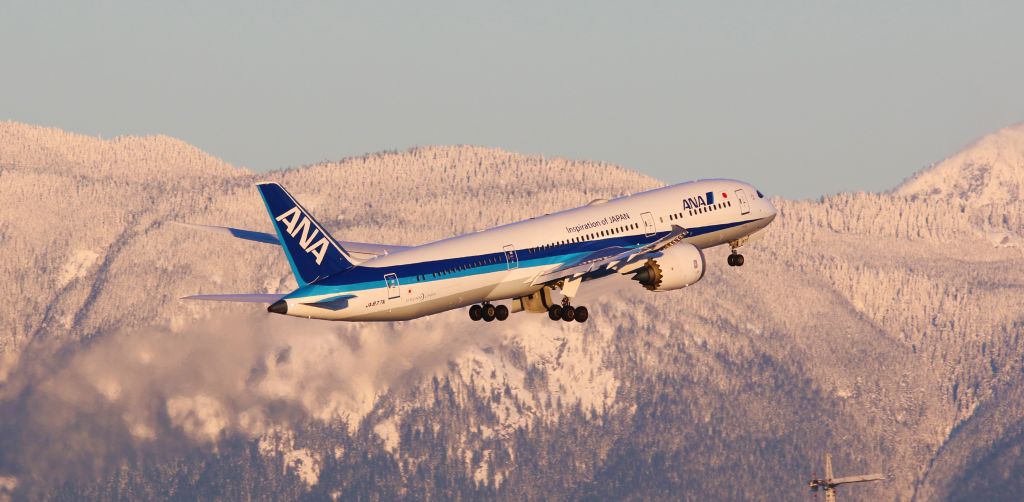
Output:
x=648 y=223
x=511 y=259
x=394 y=290
x=741 y=197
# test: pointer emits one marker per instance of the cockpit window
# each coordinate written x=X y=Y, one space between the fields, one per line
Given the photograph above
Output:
x=759 y=194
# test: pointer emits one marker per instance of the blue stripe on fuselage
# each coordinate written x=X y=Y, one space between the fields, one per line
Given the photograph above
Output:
x=361 y=278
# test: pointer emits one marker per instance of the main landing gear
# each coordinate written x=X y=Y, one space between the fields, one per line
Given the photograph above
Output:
x=567 y=312
x=488 y=312
x=735 y=259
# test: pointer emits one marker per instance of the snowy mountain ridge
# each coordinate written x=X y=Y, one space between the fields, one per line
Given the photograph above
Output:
x=988 y=171
x=985 y=180
x=880 y=326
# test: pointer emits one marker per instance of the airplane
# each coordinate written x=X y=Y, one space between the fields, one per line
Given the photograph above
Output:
x=829 y=483
x=657 y=236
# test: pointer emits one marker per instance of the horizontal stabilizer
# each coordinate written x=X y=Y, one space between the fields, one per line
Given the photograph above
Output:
x=361 y=250
x=234 y=232
x=243 y=297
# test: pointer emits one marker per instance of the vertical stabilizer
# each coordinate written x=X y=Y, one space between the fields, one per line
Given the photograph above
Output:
x=312 y=253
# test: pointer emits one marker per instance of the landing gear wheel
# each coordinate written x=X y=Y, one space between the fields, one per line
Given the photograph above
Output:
x=735 y=260
x=555 y=312
x=501 y=312
x=489 y=312
x=739 y=260
x=475 y=312
x=568 y=314
x=582 y=314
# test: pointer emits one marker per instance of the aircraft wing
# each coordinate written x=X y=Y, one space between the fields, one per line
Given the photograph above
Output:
x=360 y=250
x=613 y=258
x=857 y=479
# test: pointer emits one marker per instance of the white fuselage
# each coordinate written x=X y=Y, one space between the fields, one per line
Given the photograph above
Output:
x=503 y=262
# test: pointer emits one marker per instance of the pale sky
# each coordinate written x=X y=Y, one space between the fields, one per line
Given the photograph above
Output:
x=799 y=98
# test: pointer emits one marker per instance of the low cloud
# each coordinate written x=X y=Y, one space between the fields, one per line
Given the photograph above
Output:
x=74 y=409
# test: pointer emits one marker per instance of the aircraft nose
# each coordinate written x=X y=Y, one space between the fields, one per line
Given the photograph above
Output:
x=278 y=307
x=770 y=208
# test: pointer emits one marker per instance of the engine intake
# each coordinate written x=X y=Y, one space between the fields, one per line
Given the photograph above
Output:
x=678 y=266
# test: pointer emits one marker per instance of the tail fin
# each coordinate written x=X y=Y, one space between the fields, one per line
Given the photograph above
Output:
x=311 y=251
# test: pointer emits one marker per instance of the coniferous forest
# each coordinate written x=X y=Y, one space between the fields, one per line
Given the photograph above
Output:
x=885 y=328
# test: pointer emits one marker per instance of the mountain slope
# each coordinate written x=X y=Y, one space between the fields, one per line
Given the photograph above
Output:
x=991 y=170
x=985 y=181
x=881 y=327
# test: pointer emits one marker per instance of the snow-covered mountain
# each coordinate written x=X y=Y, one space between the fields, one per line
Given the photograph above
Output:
x=883 y=327
x=989 y=171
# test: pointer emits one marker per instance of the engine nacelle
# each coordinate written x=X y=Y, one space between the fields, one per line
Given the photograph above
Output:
x=678 y=266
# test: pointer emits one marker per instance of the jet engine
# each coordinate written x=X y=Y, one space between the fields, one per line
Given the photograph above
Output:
x=677 y=266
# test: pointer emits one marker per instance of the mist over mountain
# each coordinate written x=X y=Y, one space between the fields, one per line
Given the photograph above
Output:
x=884 y=328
